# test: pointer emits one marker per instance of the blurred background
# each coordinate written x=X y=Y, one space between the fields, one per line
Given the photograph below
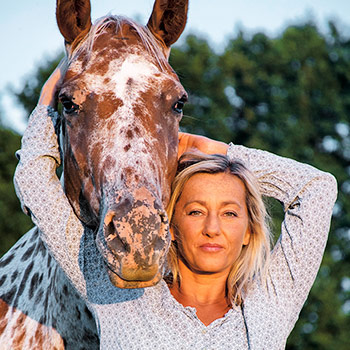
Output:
x=271 y=74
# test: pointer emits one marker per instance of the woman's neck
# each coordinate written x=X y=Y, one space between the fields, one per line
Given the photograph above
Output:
x=205 y=292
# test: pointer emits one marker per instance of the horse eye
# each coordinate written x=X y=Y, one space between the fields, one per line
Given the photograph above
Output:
x=179 y=105
x=69 y=107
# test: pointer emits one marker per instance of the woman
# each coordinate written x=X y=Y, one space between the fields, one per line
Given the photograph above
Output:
x=220 y=235
x=224 y=292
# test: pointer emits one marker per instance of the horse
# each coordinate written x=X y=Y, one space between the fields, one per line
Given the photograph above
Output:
x=122 y=104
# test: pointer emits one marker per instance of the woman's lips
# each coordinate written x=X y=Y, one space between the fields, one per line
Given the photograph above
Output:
x=211 y=247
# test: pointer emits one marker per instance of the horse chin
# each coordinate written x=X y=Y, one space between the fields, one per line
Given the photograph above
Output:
x=119 y=282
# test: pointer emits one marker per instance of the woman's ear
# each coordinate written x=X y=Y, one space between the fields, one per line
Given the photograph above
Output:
x=246 y=238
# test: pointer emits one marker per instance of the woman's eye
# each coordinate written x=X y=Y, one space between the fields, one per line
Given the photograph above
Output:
x=230 y=214
x=69 y=107
x=179 y=105
x=195 y=213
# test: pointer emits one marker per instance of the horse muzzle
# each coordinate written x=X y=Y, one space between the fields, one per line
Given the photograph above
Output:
x=134 y=239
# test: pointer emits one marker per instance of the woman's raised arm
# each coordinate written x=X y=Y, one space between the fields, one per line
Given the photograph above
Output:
x=308 y=197
x=201 y=143
x=39 y=189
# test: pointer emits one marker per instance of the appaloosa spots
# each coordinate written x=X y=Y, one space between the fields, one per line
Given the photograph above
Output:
x=129 y=134
x=23 y=283
x=27 y=272
x=3 y=324
x=89 y=336
x=7 y=260
x=34 y=283
x=43 y=319
x=14 y=276
x=49 y=261
x=88 y=313
x=28 y=252
x=65 y=290
x=9 y=295
x=115 y=145
x=46 y=300
x=34 y=237
x=117 y=89
x=20 y=332
x=109 y=105
x=39 y=296
x=78 y=313
x=2 y=280
x=30 y=316
x=40 y=248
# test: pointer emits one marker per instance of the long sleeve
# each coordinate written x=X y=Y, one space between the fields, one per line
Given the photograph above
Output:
x=308 y=197
x=42 y=196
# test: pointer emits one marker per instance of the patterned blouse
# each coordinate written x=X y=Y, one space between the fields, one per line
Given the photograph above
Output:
x=150 y=318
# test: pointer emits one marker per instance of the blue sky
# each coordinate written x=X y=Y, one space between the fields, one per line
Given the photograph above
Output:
x=29 y=32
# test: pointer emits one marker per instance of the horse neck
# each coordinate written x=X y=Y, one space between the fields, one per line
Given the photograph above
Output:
x=39 y=308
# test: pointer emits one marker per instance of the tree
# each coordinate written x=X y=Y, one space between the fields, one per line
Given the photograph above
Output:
x=28 y=96
x=289 y=95
x=13 y=223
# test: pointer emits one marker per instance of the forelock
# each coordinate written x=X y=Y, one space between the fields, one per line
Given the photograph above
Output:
x=100 y=27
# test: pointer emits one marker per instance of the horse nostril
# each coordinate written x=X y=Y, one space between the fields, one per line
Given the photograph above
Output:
x=110 y=229
x=120 y=245
x=109 y=218
x=114 y=241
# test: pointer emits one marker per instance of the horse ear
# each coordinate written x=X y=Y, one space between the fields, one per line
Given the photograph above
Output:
x=168 y=20
x=73 y=18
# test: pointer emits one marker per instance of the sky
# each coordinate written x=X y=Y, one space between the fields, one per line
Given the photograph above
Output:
x=29 y=33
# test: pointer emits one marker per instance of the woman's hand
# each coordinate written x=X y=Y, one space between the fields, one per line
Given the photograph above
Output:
x=49 y=91
x=201 y=143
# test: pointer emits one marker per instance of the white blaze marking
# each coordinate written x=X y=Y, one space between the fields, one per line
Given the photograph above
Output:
x=142 y=75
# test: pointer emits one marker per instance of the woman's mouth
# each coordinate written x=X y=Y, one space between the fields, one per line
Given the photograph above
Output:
x=211 y=247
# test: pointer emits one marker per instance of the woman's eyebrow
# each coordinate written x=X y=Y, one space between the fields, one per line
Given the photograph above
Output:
x=201 y=202
x=198 y=201
x=232 y=202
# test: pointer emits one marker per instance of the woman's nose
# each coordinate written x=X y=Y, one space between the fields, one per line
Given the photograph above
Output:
x=212 y=226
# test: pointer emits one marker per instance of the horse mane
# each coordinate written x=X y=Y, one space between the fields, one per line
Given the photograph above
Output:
x=100 y=26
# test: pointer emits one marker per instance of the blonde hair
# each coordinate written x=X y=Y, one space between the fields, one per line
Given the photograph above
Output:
x=251 y=263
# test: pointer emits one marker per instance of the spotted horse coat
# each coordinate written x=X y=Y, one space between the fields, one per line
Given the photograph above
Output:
x=39 y=308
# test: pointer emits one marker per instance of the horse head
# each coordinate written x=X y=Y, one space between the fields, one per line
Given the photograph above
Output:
x=122 y=104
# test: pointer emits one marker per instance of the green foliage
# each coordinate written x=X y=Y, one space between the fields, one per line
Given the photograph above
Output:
x=29 y=94
x=13 y=223
x=289 y=95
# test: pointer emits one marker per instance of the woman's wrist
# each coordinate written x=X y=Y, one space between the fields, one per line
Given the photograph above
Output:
x=48 y=95
x=201 y=143
x=47 y=100
x=49 y=91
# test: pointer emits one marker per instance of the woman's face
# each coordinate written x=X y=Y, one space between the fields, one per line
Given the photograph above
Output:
x=210 y=223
